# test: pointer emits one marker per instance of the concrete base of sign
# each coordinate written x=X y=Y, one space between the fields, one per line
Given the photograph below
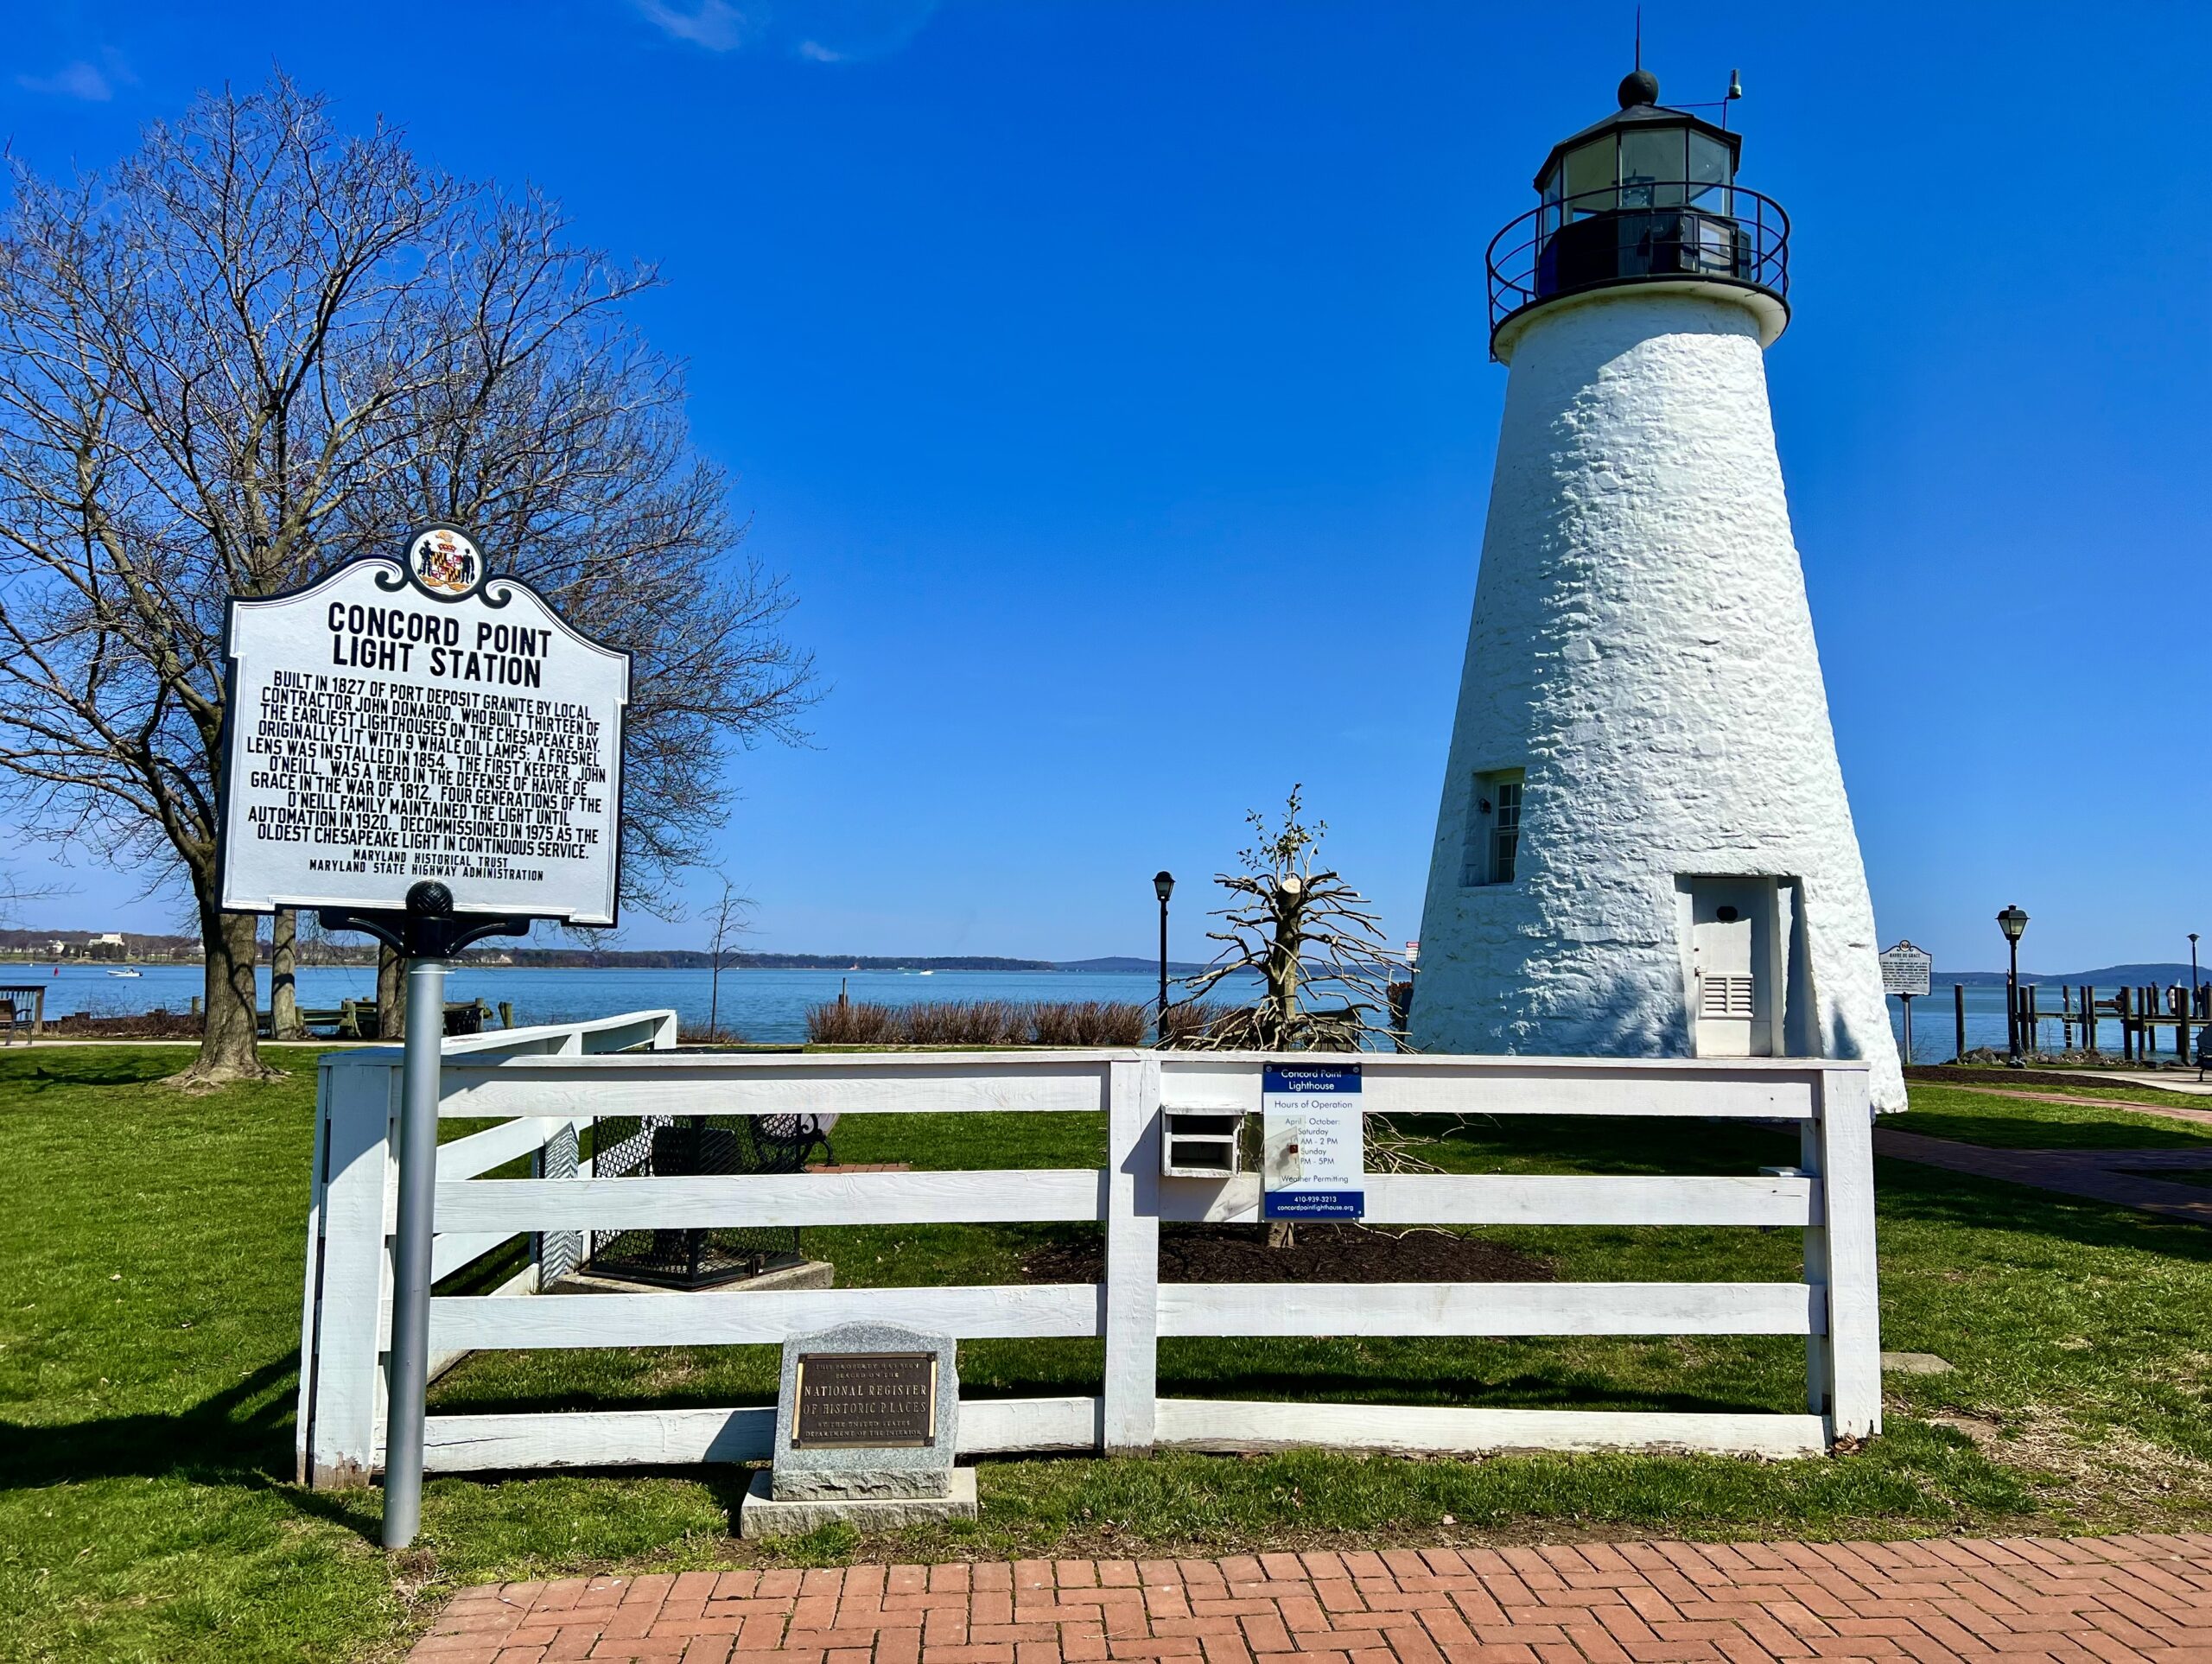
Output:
x=761 y=1516
x=808 y=1274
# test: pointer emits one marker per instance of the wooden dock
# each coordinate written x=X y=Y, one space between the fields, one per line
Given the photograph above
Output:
x=2141 y=1013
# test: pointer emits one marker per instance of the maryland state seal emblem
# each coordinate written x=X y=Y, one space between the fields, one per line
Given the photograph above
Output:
x=444 y=562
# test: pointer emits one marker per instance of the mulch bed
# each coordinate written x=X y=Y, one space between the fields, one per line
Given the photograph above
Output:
x=1321 y=1253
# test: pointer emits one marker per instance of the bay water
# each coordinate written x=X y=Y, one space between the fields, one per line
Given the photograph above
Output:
x=771 y=1005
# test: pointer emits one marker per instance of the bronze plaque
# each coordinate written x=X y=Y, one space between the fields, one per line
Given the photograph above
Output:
x=853 y=1400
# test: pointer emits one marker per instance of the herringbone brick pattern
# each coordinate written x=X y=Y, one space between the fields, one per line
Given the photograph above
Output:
x=2093 y=1600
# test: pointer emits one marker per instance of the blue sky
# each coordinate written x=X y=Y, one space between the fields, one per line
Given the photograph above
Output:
x=1111 y=382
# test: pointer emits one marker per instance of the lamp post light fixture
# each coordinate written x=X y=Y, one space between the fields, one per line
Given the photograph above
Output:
x=1163 y=886
x=2014 y=923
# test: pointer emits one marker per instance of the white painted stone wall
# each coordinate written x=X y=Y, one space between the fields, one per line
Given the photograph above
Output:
x=1642 y=646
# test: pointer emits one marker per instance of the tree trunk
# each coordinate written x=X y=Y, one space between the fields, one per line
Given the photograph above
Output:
x=391 y=994
x=228 y=1049
x=283 y=981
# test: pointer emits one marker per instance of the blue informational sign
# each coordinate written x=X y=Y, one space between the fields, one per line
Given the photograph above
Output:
x=1314 y=1152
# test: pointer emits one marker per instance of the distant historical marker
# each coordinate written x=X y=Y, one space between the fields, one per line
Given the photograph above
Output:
x=421 y=720
x=1906 y=970
x=1905 y=973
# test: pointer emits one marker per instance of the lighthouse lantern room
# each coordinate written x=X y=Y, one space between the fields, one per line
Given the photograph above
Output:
x=1643 y=846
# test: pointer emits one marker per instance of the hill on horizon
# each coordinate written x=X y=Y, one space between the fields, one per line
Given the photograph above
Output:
x=2164 y=973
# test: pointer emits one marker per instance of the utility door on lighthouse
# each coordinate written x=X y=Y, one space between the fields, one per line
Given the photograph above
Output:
x=1727 y=996
x=1732 y=929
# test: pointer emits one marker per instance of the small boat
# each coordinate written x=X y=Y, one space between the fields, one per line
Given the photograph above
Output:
x=128 y=970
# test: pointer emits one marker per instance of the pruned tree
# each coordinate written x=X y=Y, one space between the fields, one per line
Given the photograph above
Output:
x=1322 y=960
x=257 y=347
x=1323 y=963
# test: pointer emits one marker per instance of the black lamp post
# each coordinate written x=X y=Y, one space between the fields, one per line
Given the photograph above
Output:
x=1163 y=886
x=2014 y=923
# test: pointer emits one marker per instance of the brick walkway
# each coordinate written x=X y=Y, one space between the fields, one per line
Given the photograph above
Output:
x=2124 y=1177
x=2080 y=1600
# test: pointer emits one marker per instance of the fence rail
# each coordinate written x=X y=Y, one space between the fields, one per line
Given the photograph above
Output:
x=545 y=1084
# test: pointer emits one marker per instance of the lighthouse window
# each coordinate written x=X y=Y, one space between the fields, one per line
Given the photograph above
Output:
x=1590 y=179
x=1490 y=851
x=1505 y=841
x=1708 y=174
x=1651 y=167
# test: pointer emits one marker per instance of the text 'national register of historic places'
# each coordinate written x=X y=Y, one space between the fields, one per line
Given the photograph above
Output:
x=386 y=727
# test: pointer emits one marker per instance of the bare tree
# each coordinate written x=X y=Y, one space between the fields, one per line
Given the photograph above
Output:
x=1299 y=929
x=728 y=919
x=1303 y=933
x=257 y=347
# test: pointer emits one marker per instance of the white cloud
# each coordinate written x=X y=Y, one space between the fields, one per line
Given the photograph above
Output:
x=78 y=80
x=714 y=24
x=821 y=31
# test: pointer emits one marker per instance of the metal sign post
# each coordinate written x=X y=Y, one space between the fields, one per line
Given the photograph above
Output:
x=428 y=753
x=1905 y=973
x=427 y=934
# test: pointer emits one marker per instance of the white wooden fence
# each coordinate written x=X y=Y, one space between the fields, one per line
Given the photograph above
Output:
x=544 y=1083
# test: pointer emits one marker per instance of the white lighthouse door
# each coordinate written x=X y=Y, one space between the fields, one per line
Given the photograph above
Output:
x=1727 y=998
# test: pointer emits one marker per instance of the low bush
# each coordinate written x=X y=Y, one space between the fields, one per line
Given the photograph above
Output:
x=1197 y=1020
x=978 y=1022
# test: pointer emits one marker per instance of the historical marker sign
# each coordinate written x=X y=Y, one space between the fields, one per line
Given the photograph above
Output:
x=1313 y=1143
x=419 y=719
x=855 y=1400
x=1906 y=969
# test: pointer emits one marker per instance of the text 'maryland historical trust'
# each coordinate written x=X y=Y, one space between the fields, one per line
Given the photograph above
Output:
x=420 y=719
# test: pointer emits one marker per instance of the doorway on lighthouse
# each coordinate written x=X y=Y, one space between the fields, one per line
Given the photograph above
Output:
x=1732 y=932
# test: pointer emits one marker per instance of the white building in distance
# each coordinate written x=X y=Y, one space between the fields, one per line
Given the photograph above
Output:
x=1644 y=848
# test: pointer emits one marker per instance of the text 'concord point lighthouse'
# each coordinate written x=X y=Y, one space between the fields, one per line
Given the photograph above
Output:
x=1644 y=848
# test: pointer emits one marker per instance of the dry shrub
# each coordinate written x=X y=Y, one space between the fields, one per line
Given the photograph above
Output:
x=978 y=1022
x=852 y=1022
x=1196 y=1022
x=966 y=1022
x=1088 y=1022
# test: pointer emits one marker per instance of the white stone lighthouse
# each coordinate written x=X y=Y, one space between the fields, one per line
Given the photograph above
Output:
x=1644 y=848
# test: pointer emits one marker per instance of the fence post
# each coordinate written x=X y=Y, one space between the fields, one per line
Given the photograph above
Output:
x=1132 y=1293
x=349 y=1269
x=1809 y=1163
x=318 y=1203
x=1854 y=1318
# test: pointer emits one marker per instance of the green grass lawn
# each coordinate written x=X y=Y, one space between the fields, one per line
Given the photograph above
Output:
x=2026 y=1124
x=149 y=1365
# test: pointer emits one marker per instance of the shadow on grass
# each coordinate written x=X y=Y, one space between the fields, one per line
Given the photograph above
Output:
x=48 y=1074
x=224 y=1439
x=1528 y=1389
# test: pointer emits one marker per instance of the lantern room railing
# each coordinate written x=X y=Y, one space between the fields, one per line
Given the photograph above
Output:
x=1657 y=231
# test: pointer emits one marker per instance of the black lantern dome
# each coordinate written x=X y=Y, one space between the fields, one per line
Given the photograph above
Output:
x=1647 y=196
